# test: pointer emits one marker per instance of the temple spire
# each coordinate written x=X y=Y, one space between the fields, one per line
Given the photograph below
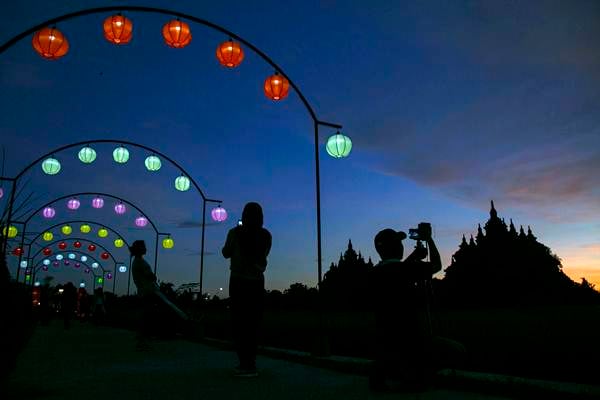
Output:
x=493 y=212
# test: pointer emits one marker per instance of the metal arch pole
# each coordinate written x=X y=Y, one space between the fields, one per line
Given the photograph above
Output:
x=202 y=248
x=20 y=255
x=9 y=216
x=115 y=277
x=318 y=190
x=129 y=277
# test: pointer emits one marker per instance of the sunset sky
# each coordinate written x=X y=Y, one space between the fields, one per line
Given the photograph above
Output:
x=449 y=105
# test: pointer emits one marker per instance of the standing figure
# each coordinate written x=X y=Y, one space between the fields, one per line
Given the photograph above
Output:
x=145 y=282
x=248 y=246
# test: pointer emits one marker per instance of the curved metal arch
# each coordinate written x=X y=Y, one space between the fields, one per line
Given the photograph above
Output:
x=75 y=238
x=39 y=265
x=99 y=10
x=90 y=194
x=76 y=222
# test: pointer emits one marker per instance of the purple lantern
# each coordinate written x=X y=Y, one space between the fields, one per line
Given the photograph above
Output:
x=73 y=204
x=55 y=263
x=87 y=270
x=1 y=192
x=109 y=275
x=44 y=268
x=98 y=202
x=120 y=208
x=49 y=212
x=218 y=214
x=67 y=262
x=77 y=265
x=141 y=221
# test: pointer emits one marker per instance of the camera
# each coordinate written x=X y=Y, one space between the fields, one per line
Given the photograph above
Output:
x=422 y=232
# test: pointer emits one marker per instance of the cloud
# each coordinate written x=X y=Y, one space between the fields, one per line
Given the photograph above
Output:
x=187 y=224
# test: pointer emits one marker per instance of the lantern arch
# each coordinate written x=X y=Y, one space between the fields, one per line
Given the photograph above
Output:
x=98 y=245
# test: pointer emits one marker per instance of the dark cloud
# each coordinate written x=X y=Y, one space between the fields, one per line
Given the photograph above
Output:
x=193 y=224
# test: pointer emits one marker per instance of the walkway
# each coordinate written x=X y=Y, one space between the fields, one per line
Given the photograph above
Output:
x=101 y=363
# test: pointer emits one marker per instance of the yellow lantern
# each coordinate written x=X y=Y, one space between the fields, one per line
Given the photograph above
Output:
x=168 y=243
x=85 y=228
x=119 y=243
x=66 y=230
x=11 y=232
x=47 y=236
x=102 y=232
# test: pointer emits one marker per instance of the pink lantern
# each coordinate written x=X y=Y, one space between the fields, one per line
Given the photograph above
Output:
x=141 y=221
x=98 y=202
x=109 y=275
x=77 y=265
x=44 y=268
x=1 y=192
x=218 y=214
x=55 y=263
x=87 y=270
x=67 y=262
x=73 y=204
x=49 y=212
x=120 y=208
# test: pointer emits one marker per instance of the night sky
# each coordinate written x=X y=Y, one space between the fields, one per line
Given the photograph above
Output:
x=449 y=105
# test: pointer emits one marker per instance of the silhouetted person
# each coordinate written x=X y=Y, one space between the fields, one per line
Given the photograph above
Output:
x=68 y=303
x=98 y=309
x=403 y=330
x=145 y=282
x=247 y=246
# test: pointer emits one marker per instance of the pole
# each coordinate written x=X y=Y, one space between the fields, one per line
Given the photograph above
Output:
x=21 y=246
x=318 y=184
x=8 y=217
x=129 y=278
x=115 y=277
x=202 y=246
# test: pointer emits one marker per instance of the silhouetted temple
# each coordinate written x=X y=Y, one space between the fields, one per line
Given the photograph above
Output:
x=504 y=267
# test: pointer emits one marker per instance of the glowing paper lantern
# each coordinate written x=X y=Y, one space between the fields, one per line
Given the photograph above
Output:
x=73 y=204
x=109 y=275
x=84 y=258
x=23 y=264
x=44 y=268
x=62 y=245
x=77 y=265
x=46 y=262
x=119 y=243
x=92 y=247
x=87 y=155
x=1 y=193
x=48 y=212
x=276 y=87
x=120 y=208
x=177 y=34
x=51 y=166
x=59 y=257
x=55 y=263
x=85 y=228
x=18 y=251
x=102 y=232
x=81 y=284
x=66 y=230
x=11 y=232
x=118 y=29
x=98 y=202
x=218 y=214
x=67 y=262
x=71 y=256
x=141 y=221
x=47 y=236
x=182 y=183
x=152 y=163
x=230 y=54
x=77 y=244
x=121 y=155
x=100 y=280
x=95 y=265
x=168 y=243
x=338 y=145
x=122 y=268
x=47 y=251
x=104 y=255
x=50 y=43
x=87 y=270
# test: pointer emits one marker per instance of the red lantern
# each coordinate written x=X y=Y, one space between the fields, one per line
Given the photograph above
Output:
x=62 y=245
x=118 y=29
x=47 y=251
x=18 y=251
x=77 y=244
x=50 y=43
x=230 y=54
x=92 y=247
x=177 y=34
x=104 y=256
x=276 y=87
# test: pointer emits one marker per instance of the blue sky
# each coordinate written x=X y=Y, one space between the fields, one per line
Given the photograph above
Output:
x=448 y=104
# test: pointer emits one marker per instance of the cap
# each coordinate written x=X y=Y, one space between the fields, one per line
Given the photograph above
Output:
x=388 y=236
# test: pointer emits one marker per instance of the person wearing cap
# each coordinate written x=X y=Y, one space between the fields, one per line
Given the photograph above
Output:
x=403 y=332
x=145 y=282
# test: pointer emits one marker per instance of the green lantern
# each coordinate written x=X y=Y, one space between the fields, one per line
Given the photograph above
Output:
x=168 y=243
x=87 y=155
x=119 y=243
x=121 y=155
x=47 y=236
x=66 y=230
x=11 y=232
x=152 y=163
x=51 y=166
x=102 y=232
x=85 y=228
x=338 y=145
x=99 y=280
x=182 y=183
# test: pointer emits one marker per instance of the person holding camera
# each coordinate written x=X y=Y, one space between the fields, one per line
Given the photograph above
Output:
x=403 y=347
